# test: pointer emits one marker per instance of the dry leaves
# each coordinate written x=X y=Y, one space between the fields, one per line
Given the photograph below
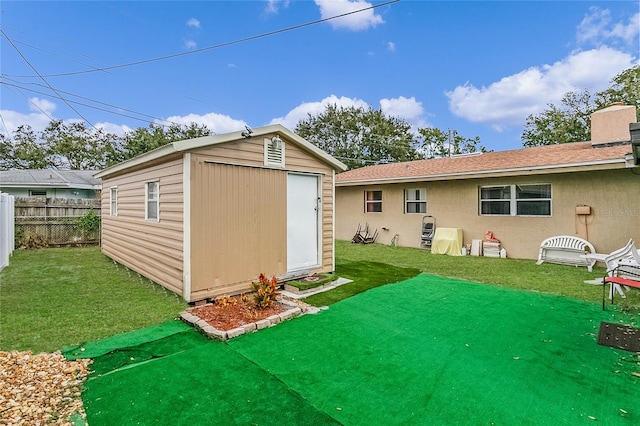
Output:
x=40 y=389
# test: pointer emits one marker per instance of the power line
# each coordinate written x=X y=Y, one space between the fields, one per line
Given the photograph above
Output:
x=217 y=46
x=91 y=106
x=44 y=79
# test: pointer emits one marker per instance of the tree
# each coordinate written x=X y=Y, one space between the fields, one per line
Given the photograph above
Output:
x=75 y=147
x=143 y=139
x=438 y=143
x=23 y=151
x=358 y=136
x=625 y=88
x=571 y=121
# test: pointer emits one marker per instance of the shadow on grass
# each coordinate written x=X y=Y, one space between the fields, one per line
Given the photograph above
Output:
x=366 y=275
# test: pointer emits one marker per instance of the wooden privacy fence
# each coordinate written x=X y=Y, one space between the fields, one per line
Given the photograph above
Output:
x=41 y=222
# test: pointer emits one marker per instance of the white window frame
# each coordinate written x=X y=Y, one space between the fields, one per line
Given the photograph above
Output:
x=513 y=200
x=113 y=201
x=372 y=202
x=37 y=193
x=155 y=200
x=417 y=196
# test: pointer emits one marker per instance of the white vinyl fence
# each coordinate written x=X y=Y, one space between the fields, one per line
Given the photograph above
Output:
x=7 y=239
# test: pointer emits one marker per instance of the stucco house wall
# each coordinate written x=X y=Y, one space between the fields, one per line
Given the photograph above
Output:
x=600 y=174
x=612 y=195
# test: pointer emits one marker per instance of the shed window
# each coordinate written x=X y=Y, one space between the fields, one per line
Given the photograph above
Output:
x=516 y=200
x=373 y=201
x=152 y=201
x=113 y=201
x=415 y=200
x=274 y=151
x=37 y=193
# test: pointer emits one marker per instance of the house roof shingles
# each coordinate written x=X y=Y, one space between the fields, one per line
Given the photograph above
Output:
x=544 y=157
x=50 y=177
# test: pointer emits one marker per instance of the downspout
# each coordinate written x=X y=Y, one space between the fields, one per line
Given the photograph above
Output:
x=186 y=227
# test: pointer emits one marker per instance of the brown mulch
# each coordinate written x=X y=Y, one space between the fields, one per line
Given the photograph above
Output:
x=231 y=312
x=40 y=389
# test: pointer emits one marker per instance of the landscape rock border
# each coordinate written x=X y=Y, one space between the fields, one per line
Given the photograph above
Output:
x=296 y=309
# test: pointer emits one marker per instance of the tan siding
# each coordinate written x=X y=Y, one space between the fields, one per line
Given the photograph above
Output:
x=250 y=152
x=613 y=196
x=237 y=218
x=238 y=226
x=153 y=249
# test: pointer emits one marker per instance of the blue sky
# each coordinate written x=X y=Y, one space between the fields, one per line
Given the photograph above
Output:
x=478 y=67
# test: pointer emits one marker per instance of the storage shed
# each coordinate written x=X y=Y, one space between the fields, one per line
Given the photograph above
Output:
x=204 y=217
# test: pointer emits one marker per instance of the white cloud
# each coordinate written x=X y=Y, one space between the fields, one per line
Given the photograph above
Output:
x=218 y=123
x=41 y=105
x=38 y=119
x=356 y=21
x=117 y=129
x=273 y=6
x=509 y=101
x=314 y=108
x=189 y=44
x=598 y=28
x=407 y=108
x=391 y=46
x=193 y=22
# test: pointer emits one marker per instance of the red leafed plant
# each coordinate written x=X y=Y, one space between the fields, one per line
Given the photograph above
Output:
x=265 y=291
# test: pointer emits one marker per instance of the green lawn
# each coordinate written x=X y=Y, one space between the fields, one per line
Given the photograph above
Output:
x=549 y=278
x=51 y=298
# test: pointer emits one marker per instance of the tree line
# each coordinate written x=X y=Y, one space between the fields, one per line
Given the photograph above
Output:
x=355 y=135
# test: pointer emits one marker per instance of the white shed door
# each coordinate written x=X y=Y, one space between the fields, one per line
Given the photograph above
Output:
x=303 y=208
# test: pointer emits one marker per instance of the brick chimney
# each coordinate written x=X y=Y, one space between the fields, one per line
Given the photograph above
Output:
x=611 y=124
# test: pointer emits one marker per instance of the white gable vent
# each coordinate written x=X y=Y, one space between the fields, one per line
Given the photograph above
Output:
x=274 y=152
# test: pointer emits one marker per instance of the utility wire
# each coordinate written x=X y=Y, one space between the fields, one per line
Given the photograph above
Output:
x=217 y=46
x=44 y=79
x=90 y=100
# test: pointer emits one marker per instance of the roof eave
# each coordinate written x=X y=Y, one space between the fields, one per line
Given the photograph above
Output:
x=191 y=144
x=556 y=168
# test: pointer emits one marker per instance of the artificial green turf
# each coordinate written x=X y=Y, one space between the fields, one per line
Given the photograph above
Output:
x=429 y=350
x=521 y=274
x=207 y=384
x=432 y=350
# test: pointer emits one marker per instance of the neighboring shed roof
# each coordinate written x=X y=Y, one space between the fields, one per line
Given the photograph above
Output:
x=190 y=144
x=545 y=159
x=78 y=179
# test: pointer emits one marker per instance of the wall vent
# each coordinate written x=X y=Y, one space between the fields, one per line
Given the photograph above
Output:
x=274 y=151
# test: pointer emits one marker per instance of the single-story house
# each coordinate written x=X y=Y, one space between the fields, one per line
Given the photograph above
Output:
x=204 y=217
x=585 y=189
x=50 y=183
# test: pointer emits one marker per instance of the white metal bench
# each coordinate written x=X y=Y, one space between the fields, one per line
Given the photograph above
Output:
x=566 y=250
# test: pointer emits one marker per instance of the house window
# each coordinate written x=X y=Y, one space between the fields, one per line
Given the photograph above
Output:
x=415 y=200
x=37 y=193
x=152 y=201
x=516 y=200
x=373 y=201
x=113 y=201
x=274 y=152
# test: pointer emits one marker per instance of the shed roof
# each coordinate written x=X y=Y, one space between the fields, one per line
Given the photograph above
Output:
x=544 y=159
x=191 y=144
x=78 y=179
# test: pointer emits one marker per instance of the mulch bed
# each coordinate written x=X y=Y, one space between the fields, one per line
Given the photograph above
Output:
x=232 y=312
